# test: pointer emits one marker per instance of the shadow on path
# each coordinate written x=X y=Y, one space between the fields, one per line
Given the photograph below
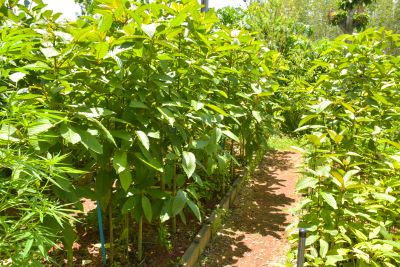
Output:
x=256 y=225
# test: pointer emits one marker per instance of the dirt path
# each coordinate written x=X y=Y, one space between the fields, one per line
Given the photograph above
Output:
x=254 y=233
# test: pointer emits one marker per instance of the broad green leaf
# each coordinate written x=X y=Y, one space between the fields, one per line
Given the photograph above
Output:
x=348 y=107
x=311 y=239
x=15 y=77
x=306 y=182
x=195 y=209
x=188 y=163
x=335 y=137
x=151 y=162
x=126 y=136
x=339 y=178
x=106 y=22
x=307 y=119
x=323 y=248
x=332 y=260
x=179 y=19
x=217 y=109
x=395 y=144
x=69 y=235
x=149 y=29
x=143 y=139
x=96 y=112
x=49 y=52
x=179 y=202
x=257 y=116
x=264 y=94
x=125 y=178
x=137 y=104
x=231 y=135
x=374 y=233
x=27 y=248
x=347 y=176
x=147 y=209
x=120 y=161
x=385 y=197
x=39 y=126
x=37 y=66
x=360 y=235
x=128 y=205
x=91 y=142
x=101 y=50
x=226 y=47
x=208 y=70
x=167 y=115
x=102 y=127
x=329 y=199
x=70 y=135
x=321 y=106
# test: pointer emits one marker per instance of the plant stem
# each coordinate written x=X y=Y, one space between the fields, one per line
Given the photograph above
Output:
x=127 y=238
x=174 y=194
x=110 y=218
x=140 y=241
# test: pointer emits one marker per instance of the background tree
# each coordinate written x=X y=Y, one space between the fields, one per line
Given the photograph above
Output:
x=385 y=13
x=351 y=15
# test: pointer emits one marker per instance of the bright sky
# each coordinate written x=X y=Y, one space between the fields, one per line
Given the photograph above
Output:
x=70 y=9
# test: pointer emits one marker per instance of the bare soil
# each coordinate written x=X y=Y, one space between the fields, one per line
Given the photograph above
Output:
x=253 y=234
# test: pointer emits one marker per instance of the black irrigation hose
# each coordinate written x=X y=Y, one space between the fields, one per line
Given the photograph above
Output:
x=302 y=247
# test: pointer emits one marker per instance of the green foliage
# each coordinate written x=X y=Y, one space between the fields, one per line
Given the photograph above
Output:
x=351 y=180
x=147 y=99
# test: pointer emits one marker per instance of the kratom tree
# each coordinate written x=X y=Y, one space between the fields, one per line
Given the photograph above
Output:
x=350 y=15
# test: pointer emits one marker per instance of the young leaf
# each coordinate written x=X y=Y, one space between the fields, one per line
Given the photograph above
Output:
x=125 y=178
x=28 y=246
x=306 y=182
x=167 y=115
x=149 y=29
x=39 y=126
x=15 y=77
x=128 y=205
x=151 y=163
x=143 y=139
x=321 y=106
x=179 y=202
x=70 y=135
x=329 y=199
x=188 y=163
x=195 y=209
x=217 y=109
x=102 y=127
x=120 y=162
x=231 y=135
x=147 y=210
x=91 y=142
x=49 y=52
x=106 y=22
x=323 y=248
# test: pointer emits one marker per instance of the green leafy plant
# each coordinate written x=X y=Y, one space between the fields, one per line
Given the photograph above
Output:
x=352 y=169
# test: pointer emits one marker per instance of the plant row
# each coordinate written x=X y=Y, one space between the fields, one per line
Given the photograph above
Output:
x=139 y=107
x=351 y=186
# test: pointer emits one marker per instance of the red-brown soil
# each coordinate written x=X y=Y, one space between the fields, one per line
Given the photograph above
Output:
x=253 y=234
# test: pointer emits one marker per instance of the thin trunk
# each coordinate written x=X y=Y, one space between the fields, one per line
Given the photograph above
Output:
x=111 y=225
x=174 y=194
x=140 y=241
x=70 y=257
x=127 y=238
